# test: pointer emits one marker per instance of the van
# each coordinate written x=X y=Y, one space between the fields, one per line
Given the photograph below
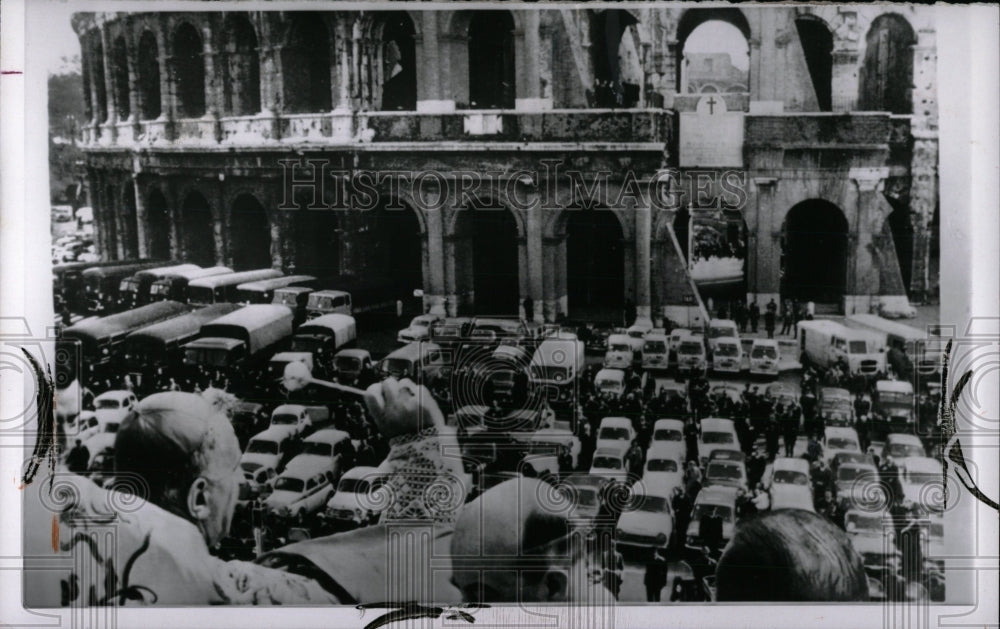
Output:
x=323 y=302
x=556 y=366
x=656 y=352
x=727 y=355
x=412 y=361
x=224 y=288
x=610 y=382
x=722 y=328
x=691 y=356
x=716 y=434
x=269 y=448
x=619 y=354
x=919 y=346
x=825 y=343
x=262 y=291
x=174 y=285
x=764 y=357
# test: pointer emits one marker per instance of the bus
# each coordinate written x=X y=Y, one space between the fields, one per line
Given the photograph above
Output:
x=101 y=284
x=100 y=338
x=159 y=345
x=134 y=291
x=223 y=288
x=174 y=285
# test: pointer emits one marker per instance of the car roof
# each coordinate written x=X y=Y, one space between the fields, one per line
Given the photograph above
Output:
x=277 y=433
x=613 y=452
x=667 y=422
x=666 y=450
x=360 y=471
x=841 y=431
x=838 y=391
x=727 y=339
x=610 y=374
x=614 y=422
x=618 y=338
x=902 y=437
x=923 y=464
x=794 y=464
x=725 y=454
x=717 y=494
x=355 y=352
x=305 y=471
x=717 y=422
x=766 y=343
x=118 y=394
x=327 y=435
x=590 y=480
x=894 y=386
x=657 y=337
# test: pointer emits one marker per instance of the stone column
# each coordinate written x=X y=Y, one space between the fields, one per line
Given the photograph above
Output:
x=431 y=96
x=213 y=80
x=536 y=260
x=643 y=238
x=434 y=282
x=109 y=85
x=167 y=97
x=844 y=80
x=864 y=268
x=90 y=184
x=527 y=62
x=342 y=97
x=218 y=222
x=141 y=215
x=135 y=103
x=764 y=246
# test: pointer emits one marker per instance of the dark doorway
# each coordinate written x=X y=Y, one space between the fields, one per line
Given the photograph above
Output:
x=158 y=226
x=887 y=73
x=251 y=234
x=307 y=62
x=241 y=65
x=606 y=30
x=391 y=250
x=902 y=239
x=486 y=255
x=814 y=253
x=97 y=72
x=119 y=69
x=595 y=263
x=399 y=67
x=130 y=223
x=317 y=238
x=817 y=43
x=148 y=71
x=189 y=66
x=196 y=229
x=110 y=221
x=491 y=60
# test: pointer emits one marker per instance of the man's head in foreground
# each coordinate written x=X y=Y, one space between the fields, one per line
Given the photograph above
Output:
x=186 y=454
x=790 y=555
x=514 y=544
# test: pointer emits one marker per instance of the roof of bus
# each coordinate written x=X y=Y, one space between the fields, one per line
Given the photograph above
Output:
x=894 y=386
x=230 y=279
x=892 y=327
x=211 y=271
x=275 y=282
x=335 y=321
x=253 y=315
x=184 y=325
x=118 y=268
x=152 y=313
x=328 y=293
x=161 y=271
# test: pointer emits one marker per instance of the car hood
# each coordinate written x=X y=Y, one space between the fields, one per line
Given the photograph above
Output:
x=662 y=481
x=415 y=333
x=281 y=498
x=695 y=528
x=110 y=414
x=313 y=461
x=344 y=500
x=645 y=523
x=265 y=460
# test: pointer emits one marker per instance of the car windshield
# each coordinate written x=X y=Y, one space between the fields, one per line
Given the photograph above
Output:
x=397 y=366
x=661 y=465
x=287 y=483
x=636 y=334
x=353 y=485
x=840 y=443
x=690 y=348
x=609 y=385
x=649 y=504
x=726 y=349
x=726 y=471
x=614 y=433
x=419 y=323
x=286 y=299
x=668 y=434
x=586 y=497
x=706 y=510
x=864 y=522
x=111 y=427
x=263 y=447
x=923 y=478
x=108 y=403
x=284 y=418
x=654 y=347
x=716 y=437
x=790 y=477
x=317 y=447
x=850 y=473
x=763 y=352
x=620 y=347
x=348 y=363
x=720 y=331
x=903 y=450
x=836 y=404
x=607 y=463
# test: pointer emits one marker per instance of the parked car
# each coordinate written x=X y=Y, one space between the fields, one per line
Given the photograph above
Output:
x=647 y=521
x=269 y=448
x=330 y=447
x=691 y=357
x=716 y=433
x=727 y=355
x=902 y=446
x=922 y=479
x=664 y=467
x=712 y=502
x=726 y=467
x=837 y=439
x=300 y=492
x=355 y=503
x=615 y=432
x=609 y=463
x=301 y=417
x=764 y=357
x=667 y=431
x=610 y=382
x=419 y=329
x=113 y=406
x=619 y=353
x=790 y=496
x=656 y=352
x=586 y=493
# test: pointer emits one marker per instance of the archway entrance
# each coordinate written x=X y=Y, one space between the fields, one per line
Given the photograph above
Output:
x=399 y=66
x=595 y=264
x=158 y=226
x=307 y=62
x=617 y=69
x=390 y=249
x=317 y=236
x=130 y=223
x=491 y=60
x=189 y=67
x=196 y=230
x=887 y=73
x=817 y=44
x=488 y=239
x=251 y=240
x=814 y=253
x=715 y=51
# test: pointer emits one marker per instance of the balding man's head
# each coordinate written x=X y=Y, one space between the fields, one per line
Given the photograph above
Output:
x=514 y=544
x=790 y=555
x=186 y=454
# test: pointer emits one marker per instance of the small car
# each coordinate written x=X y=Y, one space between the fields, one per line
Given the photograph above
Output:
x=858 y=486
x=355 y=502
x=610 y=464
x=919 y=476
x=727 y=355
x=664 y=467
x=114 y=405
x=586 y=492
x=902 y=446
x=667 y=431
x=716 y=433
x=656 y=352
x=328 y=447
x=764 y=357
x=837 y=439
x=646 y=521
x=718 y=502
x=615 y=432
x=691 y=356
x=790 y=496
x=619 y=354
x=419 y=329
x=300 y=492
x=726 y=467
x=610 y=382
x=269 y=448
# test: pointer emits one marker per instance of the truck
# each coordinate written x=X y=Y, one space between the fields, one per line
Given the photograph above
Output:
x=893 y=401
x=557 y=366
x=324 y=337
x=174 y=285
x=100 y=339
x=303 y=418
x=824 y=343
x=240 y=338
x=159 y=345
x=101 y=284
x=921 y=348
x=134 y=291
x=223 y=288
x=262 y=291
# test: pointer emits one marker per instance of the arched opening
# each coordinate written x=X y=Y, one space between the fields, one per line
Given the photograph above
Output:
x=391 y=248
x=307 y=62
x=130 y=223
x=817 y=43
x=119 y=70
x=887 y=72
x=618 y=76
x=88 y=104
x=148 y=71
x=718 y=251
x=902 y=239
x=713 y=45
x=486 y=260
x=158 y=226
x=814 y=253
x=317 y=238
x=399 y=63
x=196 y=230
x=241 y=67
x=97 y=72
x=595 y=264
x=109 y=222
x=251 y=234
x=491 y=60
x=189 y=67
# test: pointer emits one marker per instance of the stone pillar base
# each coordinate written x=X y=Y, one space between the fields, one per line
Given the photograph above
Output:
x=643 y=316
x=451 y=305
x=533 y=104
x=860 y=304
x=893 y=307
x=435 y=304
x=435 y=106
x=763 y=298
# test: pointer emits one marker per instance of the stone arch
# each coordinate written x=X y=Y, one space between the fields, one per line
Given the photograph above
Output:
x=317 y=236
x=109 y=221
x=148 y=75
x=189 y=70
x=615 y=85
x=487 y=247
x=596 y=257
x=97 y=76
x=492 y=60
x=158 y=225
x=392 y=249
x=817 y=44
x=250 y=229
x=119 y=78
x=691 y=19
x=307 y=59
x=886 y=75
x=393 y=34
x=814 y=252
x=197 y=229
x=240 y=66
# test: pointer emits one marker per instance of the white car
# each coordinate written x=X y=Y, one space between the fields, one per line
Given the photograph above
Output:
x=727 y=355
x=609 y=463
x=667 y=431
x=294 y=415
x=664 y=468
x=647 y=521
x=923 y=483
x=656 y=352
x=902 y=446
x=837 y=439
x=258 y=480
x=266 y=449
x=355 y=501
x=113 y=405
x=716 y=434
x=615 y=433
x=872 y=524
x=764 y=357
x=716 y=501
x=691 y=356
x=323 y=448
x=301 y=492
x=610 y=381
x=787 y=471
x=545 y=448
x=418 y=330
x=619 y=354
x=727 y=468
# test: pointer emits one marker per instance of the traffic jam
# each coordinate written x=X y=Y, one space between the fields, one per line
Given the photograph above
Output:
x=669 y=437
